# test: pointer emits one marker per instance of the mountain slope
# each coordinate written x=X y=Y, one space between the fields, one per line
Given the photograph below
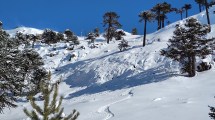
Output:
x=105 y=84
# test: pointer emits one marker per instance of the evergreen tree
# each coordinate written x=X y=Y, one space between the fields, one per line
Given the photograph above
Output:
x=96 y=32
x=134 y=31
x=157 y=9
x=207 y=12
x=146 y=16
x=123 y=45
x=70 y=36
x=118 y=34
x=49 y=36
x=51 y=109
x=180 y=11
x=166 y=8
x=34 y=38
x=187 y=7
x=200 y=3
x=212 y=112
x=1 y=24
x=110 y=19
x=187 y=43
x=17 y=69
x=91 y=36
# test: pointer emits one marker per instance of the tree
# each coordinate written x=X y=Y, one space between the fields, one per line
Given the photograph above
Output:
x=17 y=69
x=70 y=36
x=200 y=3
x=187 y=7
x=207 y=13
x=118 y=34
x=49 y=36
x=51 y=109
x=91 y=36
x=166 y=8
x=157 y=9
x=134 y=31
x=96 y=32
x=212 y=113
x=110 y=19
x=146 y=16
x=1 y=24
x=180 y=11
x=123 y=45
x=187 y=43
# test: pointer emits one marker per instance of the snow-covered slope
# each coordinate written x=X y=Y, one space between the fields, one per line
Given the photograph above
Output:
x=105 y=84
x=24 y=30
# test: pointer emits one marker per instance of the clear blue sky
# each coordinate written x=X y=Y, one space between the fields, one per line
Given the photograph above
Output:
x=79 y=15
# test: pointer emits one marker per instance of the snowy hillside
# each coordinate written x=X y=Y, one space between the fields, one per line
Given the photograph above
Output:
x=105 y=84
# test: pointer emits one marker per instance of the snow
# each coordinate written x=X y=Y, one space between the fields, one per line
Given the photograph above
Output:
x=105 y=84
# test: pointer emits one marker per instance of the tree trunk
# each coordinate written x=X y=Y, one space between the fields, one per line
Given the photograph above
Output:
x=190 y=71
x=181 y=15
x=207 y=13
x=144 y=37
x=200 y=8
x=193 y=65
x=186 y=13
x=163 y=22
x=159 y=20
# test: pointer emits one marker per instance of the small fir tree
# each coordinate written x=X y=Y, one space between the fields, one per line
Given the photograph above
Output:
x=188 y=42
x=51 y=109
x=123 y=45
x=134 y=31
x=71 y=37
x=212 y=112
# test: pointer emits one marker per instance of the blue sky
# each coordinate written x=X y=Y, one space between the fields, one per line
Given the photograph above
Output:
x=80 y=15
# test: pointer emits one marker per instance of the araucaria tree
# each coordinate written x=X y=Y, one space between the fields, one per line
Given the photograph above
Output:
x=51 y=109
x=187 y=7
x=200 y=3
x=212 y=112
x=207 y=12
x=188 y=43
x=146 y=16
x=110 y=19
x=180 y=11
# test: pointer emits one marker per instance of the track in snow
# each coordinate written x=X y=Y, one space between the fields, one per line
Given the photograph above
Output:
x=106 y=108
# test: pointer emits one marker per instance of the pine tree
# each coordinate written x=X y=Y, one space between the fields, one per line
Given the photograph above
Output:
x=187 y=43
x=17 y=68
x=134 y=31
x=118 y=34
x=1 y=24
x=110 y=19
x=123 y=45
x=51 y=109
x=71 y=37
x=212 y=112
x=96 y=32
x=146 y=16
x=49 y=36
x=187 y=7
x=91 y=36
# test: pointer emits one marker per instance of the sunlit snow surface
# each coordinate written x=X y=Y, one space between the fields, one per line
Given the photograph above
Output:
x=137 y=84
